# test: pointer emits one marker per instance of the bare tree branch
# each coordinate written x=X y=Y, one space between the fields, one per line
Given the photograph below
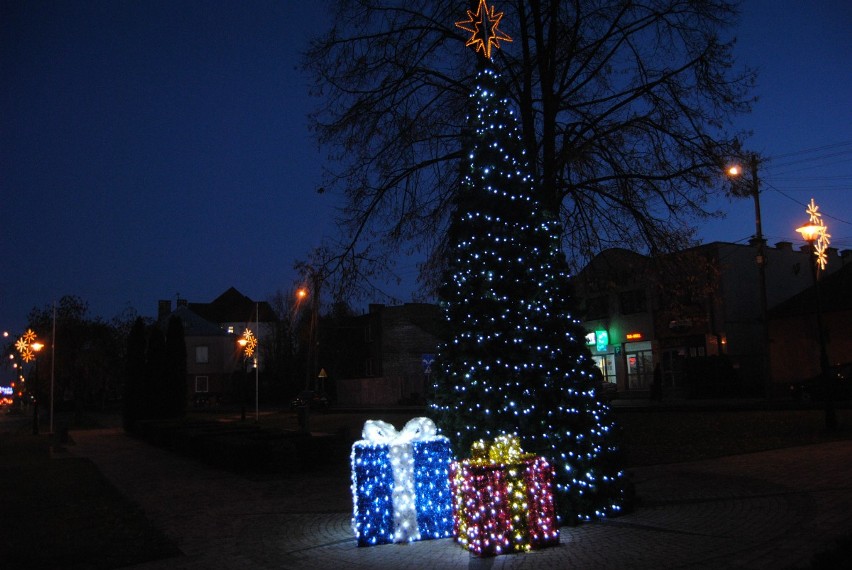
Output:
x=624 y=106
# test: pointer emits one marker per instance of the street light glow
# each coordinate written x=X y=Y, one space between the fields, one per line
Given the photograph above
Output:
x=734 y=170
x=810 y=232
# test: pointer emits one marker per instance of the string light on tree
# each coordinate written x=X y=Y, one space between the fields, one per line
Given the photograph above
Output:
x=514 y=359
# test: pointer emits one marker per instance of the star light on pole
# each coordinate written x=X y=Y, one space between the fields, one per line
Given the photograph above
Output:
x=816 y=234
x=483 y=27
x=249 y=343
x=28 y=345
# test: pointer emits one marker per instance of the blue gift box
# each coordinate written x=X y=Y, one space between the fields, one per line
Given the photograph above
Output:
x=400 y=484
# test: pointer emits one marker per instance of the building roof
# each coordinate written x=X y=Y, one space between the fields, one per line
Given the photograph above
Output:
x=234 y=307
x=195 y=325
x=835 y=295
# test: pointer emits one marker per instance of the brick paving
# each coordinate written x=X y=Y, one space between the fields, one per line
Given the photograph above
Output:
x=772 y=509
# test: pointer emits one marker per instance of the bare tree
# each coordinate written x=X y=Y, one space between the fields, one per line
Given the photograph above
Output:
x=625 y=108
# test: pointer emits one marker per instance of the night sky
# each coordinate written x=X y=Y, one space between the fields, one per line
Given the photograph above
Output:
x=153 y=148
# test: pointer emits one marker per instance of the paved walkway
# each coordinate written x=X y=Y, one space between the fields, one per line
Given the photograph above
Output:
x=763 y=510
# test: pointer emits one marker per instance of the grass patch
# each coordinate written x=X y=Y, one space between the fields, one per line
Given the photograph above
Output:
x=62 y=513
x=659 y=436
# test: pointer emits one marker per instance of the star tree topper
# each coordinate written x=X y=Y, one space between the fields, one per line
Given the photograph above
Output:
x=483 y=28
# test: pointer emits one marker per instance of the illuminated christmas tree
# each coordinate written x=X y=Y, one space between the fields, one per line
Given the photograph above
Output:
x=514 y=360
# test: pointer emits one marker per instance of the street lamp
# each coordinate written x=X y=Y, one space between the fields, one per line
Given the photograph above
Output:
x=815 y=233
x=248 y=342
x=302 y=293
x=735 y=171
x=28 y=346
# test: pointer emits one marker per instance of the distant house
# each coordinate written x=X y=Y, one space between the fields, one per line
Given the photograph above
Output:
x=384 y=356
x=215 y=362
x=233 y=312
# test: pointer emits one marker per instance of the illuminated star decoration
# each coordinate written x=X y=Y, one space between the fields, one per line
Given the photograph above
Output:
x=24 y=345
x=483 y=28
x=823 y=241
x=249 y=342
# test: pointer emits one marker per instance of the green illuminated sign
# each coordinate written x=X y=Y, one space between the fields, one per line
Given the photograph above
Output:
x=601 y=340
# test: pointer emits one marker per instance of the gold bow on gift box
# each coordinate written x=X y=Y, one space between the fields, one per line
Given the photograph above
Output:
x=504 y=449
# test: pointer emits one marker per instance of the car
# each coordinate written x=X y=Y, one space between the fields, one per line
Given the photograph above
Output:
x=310 y=399
x=814 y=388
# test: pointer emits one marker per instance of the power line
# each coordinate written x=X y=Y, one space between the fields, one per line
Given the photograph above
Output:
x=825 y=214
x=830 y=146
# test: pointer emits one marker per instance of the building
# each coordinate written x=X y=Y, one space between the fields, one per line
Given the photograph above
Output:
x=795 y=350
x=215 y=362
x=382 y=357
x=694 y=317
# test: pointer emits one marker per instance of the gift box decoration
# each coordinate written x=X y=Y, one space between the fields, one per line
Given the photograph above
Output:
x=503 y=499
x=400 y=483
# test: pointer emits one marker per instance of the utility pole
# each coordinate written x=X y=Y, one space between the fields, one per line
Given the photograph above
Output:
x=760 y=259
x=761 y=269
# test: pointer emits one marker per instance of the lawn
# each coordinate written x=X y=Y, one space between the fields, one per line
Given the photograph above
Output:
x=651 y=436
x=657 y=436
x=62 y=513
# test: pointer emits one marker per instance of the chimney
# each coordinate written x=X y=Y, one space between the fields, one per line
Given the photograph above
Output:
x=164 y=308
x=784 y=246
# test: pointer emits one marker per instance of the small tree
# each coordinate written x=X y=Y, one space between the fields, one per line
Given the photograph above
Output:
x=155 y=374
x=134 y=382
x=174 y=389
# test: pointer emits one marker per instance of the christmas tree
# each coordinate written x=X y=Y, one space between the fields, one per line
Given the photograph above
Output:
x=514 y=360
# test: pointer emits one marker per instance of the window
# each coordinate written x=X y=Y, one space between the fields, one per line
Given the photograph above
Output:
x=606 y=364
x=202 y=354
x=597 y=308
x=230 y=329
x=632 y=302
x=639 y=369
x=202 y=384
x=368 y=367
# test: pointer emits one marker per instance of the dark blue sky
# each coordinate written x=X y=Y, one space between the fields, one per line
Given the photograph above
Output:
x=150 y=148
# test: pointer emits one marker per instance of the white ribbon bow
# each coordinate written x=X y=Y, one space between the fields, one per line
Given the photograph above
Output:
x=417 y=429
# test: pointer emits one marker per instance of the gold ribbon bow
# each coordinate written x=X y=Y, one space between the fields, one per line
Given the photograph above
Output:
x=504 y=449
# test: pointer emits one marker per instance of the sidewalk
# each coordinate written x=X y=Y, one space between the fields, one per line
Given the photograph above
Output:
x=772 y=509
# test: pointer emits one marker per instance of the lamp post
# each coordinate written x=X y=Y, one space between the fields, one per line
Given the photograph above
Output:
x=815 y=233
x=302 y=293
x=29 y=346
x=736 y=171
x=248 y=342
